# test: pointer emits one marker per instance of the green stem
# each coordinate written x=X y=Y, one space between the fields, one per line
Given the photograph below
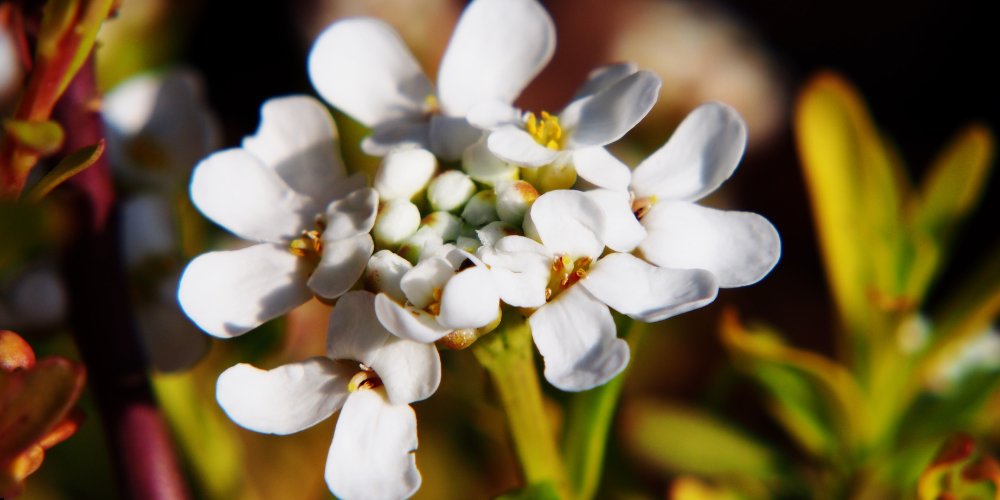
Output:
x=589 y=420
x=507 y=355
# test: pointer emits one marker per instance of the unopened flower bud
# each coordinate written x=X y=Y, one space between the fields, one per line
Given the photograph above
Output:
x=446 y=225
x=550 y=177
x=481 y=209
x=424 y=241
x=397 y=220
x=483 y=166
x=493 y=231
x=404 y=173
x=385 y=270
x=450 y=190
x=468 y=243
x=513 y=200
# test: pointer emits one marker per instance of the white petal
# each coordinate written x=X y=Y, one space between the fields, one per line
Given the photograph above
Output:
x=428 y=275
x=371 y=456
x=575 y=334
x=229 y=293
x=497 y=48
x=600 y=168
x=514 y=145
x=521 y=268
x=341 y=265
x=404 y=173
x=385 y=271
x=701 y=154
x=351 y=215
x=646 y=292
x=298 y=139
x=491 y=115
x=450 y=136
x=284 y=400
x=604 y=77
x=567 y=222
x=484 y=167
x=407 y=322
x=236 y=190
x=608 y=115
x=409 y=370
x=622 y=231
x=364 y=68
x=469 y=300
x=399 y=134
x=739 y=248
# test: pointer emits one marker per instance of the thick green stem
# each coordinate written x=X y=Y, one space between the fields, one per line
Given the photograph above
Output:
x=589 y=420
x=507 y=355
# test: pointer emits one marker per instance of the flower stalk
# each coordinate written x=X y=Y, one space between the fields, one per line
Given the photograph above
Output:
x=507 y=355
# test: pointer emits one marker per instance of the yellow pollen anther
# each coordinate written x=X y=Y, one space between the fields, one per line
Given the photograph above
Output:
x=365 y=379
x=641 y=206
x=435 y=306
x=431 y=105
x=309 y=244
x=546 y=131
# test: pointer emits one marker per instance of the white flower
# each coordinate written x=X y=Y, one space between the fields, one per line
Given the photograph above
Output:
x=609 y=104
x=286 y=189
x=572 y=287
x=739 y=248
x=159 y=127
x=443 y=294
x=369 y=375
x=11 y=71
x=362 y=67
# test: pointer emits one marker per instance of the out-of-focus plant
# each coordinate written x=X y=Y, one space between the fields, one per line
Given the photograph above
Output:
x=906 y=375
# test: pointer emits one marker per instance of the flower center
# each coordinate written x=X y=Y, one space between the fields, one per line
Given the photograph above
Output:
x=565 y=273
x=641 y=206
x=310 y=244
x=546 y=131
x=431 y=105
x=364 y=379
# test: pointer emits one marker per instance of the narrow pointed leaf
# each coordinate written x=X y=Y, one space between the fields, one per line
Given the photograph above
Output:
x=73 y=164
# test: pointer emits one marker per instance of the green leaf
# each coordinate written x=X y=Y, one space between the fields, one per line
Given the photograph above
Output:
x=817 y=400
x=73 y=164
x=684 y=440
x=42 y=137
x=539 y=491
x=67 y=34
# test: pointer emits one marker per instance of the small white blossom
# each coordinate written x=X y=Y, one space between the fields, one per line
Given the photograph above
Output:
x=404 y=173
x=287 y=190
x=362 y=67
x=369 y=375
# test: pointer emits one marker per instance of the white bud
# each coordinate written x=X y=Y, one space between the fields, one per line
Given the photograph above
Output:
x=404 y=173
x=396 y=221
x=467 y=243
x=384 y=272
x=513 y=200
x=481 y=209
x=450 y=190
x=421 y=243
x=493 y=231
x=550 y=177
x=446 y=225
x=483 y=166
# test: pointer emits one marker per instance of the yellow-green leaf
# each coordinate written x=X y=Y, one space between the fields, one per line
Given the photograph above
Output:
x=682 y=439
x=71 y=165
x=42 y=137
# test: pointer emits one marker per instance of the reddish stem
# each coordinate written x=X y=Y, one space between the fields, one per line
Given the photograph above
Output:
x=101 y=316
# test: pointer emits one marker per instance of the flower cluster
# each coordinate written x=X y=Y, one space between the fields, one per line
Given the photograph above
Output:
x=477 y=210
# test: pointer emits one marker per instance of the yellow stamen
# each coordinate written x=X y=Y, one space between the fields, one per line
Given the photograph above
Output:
x=309 y=244
x=546 y=131
x=365 y=379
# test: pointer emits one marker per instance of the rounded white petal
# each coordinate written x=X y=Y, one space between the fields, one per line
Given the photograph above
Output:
x=445 y=224
x=514 y=145
x=604 y=77
x=646 y=292
x=404 y=173
x=450 y=136
x=497 y=48
x=450 y=190
x=389 y=137
x=491 y=115
x=521 y=268
x=397 y=220
x=622 y=231
x=567 y=222
x=384 y=272
x=351 y=215
x=739 y=248
x=298 y=139
x=236 y=190
x=407 y=322
x=606 y=116
x=362 y=67
x=601 y=169
x=492 y=232
x=484 y=167
x=229 y=293
x=371 y=456
x=424 y=279
x=420 y=244
x=470 y=300
x=576 y=336
x=481 y=209
x=701 y=154
x=284 y=400
x=342 y=264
